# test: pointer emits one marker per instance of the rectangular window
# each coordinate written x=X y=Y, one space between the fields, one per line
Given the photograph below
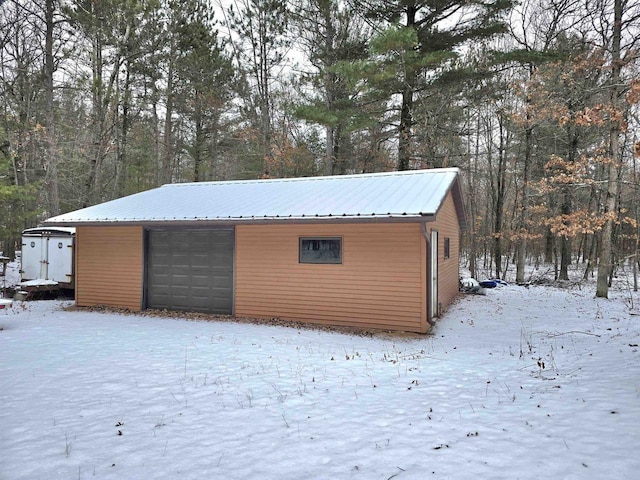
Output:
x=447 y=248
x=320 y=250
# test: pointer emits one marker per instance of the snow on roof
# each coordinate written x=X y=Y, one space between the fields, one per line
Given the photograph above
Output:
x=408 y=194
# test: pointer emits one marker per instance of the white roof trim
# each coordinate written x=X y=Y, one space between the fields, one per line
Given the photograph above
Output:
x=49 y=229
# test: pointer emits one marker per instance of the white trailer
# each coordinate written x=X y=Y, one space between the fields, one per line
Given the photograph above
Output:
x=48 y=257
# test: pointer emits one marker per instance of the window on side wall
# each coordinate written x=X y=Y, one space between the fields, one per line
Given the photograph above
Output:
x=447 y=247
x=320 y=250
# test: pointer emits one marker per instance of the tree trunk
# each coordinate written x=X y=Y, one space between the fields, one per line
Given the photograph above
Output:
x=473 y=203
x=97 y=125
x=264 y=79
x=605 y=266
x=499 y=188
x=51 y=155
x=329 y=87
x=198 y=143
x=404 y=138
x=548 y=246
x=121 y=165
x=565 y=240
x=524 y=207
x=566 y=207
x=157 y=142
x=636 y=260
x=406 y=111
x=590 y=253
x=330 y=160
x=635 y=272
x=167 y=147
x=338 y=154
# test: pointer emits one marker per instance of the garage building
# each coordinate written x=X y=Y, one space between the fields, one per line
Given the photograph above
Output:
x=376 y=250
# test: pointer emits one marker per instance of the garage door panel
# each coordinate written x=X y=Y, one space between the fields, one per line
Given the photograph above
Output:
x=162 y=290
x=221 y=272
x=201 y=282
x=191 y=270
x=220 y=283
x=200 y=292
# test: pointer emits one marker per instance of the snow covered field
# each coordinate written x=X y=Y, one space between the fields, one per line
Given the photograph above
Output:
x=522 y=383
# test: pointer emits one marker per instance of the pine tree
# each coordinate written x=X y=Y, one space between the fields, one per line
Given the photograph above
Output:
x=331 y=35
x=17 y=200
x=202 y=77
x=418 y=41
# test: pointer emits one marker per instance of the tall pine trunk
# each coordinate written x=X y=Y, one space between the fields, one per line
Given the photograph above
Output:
x=406 y=111
x=167 y=147
x=125 y=123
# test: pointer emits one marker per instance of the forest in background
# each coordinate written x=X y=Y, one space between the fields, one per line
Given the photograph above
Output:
x=536 y=102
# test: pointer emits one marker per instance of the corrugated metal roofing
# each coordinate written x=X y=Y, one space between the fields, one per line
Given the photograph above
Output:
x=415 y=193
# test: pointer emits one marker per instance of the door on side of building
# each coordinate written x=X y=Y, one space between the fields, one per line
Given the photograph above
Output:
x=433 y=275
x=190 y=269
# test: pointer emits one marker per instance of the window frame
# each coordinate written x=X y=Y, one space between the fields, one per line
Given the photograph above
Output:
x=319 y=262
x=447 y=247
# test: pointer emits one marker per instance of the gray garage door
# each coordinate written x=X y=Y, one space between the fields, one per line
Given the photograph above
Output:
x=190 y=270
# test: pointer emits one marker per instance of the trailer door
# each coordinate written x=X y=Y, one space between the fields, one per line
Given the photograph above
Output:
x=33 y=258
x=60 y=258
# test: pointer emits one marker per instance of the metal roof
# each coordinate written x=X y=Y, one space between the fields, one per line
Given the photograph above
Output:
x=406 y=195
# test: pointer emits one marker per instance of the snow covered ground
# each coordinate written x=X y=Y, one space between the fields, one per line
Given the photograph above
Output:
x=522 y=383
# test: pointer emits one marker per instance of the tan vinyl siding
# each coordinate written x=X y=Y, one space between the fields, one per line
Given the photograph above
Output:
x=379 y=284
x=109 y=266
x=448 y=268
